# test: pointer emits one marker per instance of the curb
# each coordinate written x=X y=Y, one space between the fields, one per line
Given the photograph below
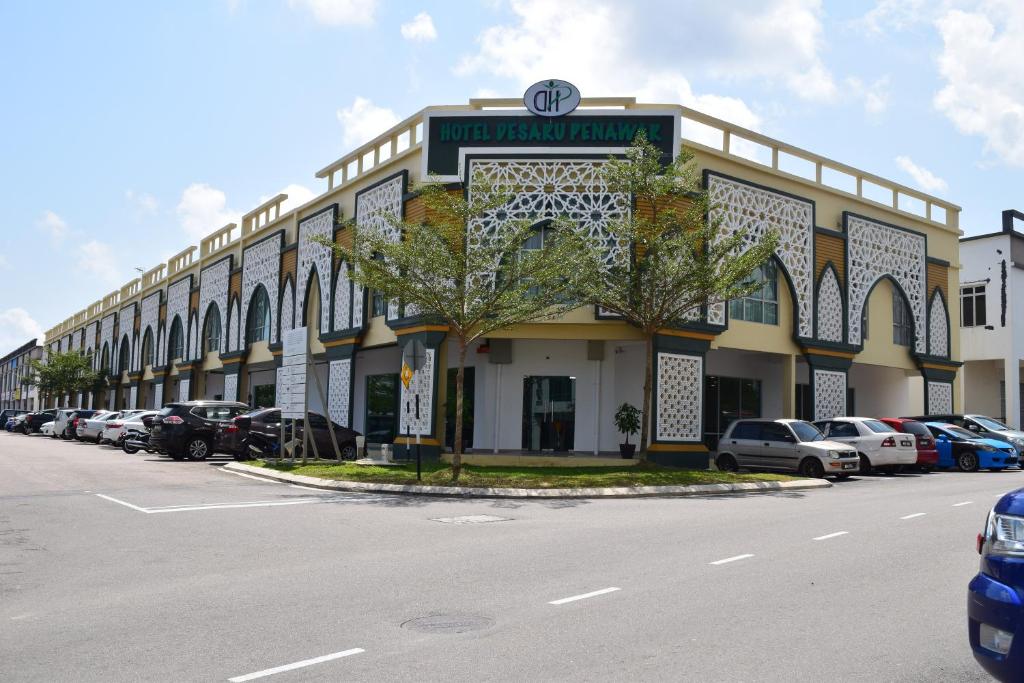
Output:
x=464 y=492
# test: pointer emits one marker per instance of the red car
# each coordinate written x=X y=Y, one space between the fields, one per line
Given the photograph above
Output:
x=927 y=455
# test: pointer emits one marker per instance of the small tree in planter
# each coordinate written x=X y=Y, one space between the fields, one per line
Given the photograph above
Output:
x=627 y=421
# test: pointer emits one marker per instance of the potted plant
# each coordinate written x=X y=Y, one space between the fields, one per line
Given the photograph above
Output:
x=627 y=421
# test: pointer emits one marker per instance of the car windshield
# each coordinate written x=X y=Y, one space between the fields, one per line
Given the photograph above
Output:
x=167 y=410
x=961 y=433
x=916 y=428
x=990 y=424
x=805 y=431
x=877 y=427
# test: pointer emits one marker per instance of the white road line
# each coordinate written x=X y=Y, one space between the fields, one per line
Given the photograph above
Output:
x=121 y=502
x=828 y=536
x=296 y=665
x=308 y=488
x=247 y=476
x=732 y=559
x=916 y=514
x=960 y=505
x=583 y=596
x=230 y=506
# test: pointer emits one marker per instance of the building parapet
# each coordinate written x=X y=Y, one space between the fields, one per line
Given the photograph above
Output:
x=217 y=240
x=261 y=215
x=180 y=261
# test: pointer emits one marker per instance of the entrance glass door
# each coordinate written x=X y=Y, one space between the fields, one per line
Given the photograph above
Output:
x=549 y=413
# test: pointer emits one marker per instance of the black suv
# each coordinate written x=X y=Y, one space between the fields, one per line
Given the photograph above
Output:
x=189 y=429
x=262 y=429
x=35 y=421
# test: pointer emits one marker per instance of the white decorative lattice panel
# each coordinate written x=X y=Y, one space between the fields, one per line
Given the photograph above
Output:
x=938 y=328
x=377 y=209
x=757 y=210
x=829 y=394
x=339 y=389
x=261 y=265
x=133 y=397
x=830 y=308
x=183 y=386
x=875 y=250
x=150 y=320
x=213 y=289
x=680 y=396
x=940 y=398
x=287 y=307
x=158 y=395
x=193 y=349
x=177 y=307
x=422 y=384
x=230 y=387
x=107 y=339
x=127 y=327
x=342 y=299
x=312 y=255
x=232 y=331
x=548 y=189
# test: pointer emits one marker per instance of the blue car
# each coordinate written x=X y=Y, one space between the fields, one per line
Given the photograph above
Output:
x=965 y=450
x=995 y=597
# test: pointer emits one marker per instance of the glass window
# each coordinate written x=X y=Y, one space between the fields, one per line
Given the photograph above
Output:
x=878 y=427
x=124 y=356
x=381 y=408
x=916 y=428
x=147 y=348
x=176 y=347
x=805 y=431
x=762 y=306
x=263 y=395
x=843 y=430
x=258 y=325
x=747 y=430
x=773 y=431
x=989 y=423
x=211 y=329
x=902 y=323
x=972 y=306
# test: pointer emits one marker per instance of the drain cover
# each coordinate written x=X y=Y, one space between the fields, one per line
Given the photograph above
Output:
x=448 y=623
x=471 y=519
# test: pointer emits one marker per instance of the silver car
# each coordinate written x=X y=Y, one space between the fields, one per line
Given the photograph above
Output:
x=784 y=446
x=91 y=429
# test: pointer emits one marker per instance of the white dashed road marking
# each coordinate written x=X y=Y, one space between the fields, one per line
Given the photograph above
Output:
x=583 y=596
x=828 y=536
x=296 y=665
x=966 y=502
x=916 y=514
x=732 y=559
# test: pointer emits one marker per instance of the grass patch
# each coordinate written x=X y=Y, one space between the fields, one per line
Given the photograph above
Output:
x=440 y=474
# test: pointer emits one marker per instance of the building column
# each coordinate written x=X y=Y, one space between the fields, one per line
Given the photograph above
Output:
x=827 y=375
x=429 y=384
x=789 y=386
x=184 y=383
x=938 y=387
x=1011 y=387
x=341 y=370
x=677 y=400
x=232 y=366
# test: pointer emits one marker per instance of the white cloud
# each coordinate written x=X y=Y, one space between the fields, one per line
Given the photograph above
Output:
x=297 y=196
x=984 y=83
x=925 y=179
x=144 y=203
x=97 y=260
x=894 y=15
x=54 y=225
x=874 y=96
x=421 y=28
x=16 y=328
x=203 y=209
x=363 y=120
x=4 y=262
x=610 y=46
x=339 y=12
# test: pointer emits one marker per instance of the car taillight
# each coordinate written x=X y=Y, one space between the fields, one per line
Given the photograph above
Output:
x=173 y=420
x=889 y=441
x=231 y=428
x=924 y=441
x=74 y=423
x=115 y=425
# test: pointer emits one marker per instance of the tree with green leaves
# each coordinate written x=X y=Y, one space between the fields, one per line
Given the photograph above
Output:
x=471 y=267
x=681 y=260
x=63 y=373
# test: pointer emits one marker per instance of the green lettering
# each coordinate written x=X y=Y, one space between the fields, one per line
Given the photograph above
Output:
x=559 y=131
x=534 y=132
x=446 y=132
x=654 y=132
x=574 y=130
x=524 y=132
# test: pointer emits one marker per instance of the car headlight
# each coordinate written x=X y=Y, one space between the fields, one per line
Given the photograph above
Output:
x=1019 y=443
x=835 y=455
x=1004 y=535
x=986 y=447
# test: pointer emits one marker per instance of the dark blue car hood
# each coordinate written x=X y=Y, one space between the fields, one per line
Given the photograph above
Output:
x=1012 y=503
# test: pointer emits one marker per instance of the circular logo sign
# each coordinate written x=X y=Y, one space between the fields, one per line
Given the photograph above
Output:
x=552 y=98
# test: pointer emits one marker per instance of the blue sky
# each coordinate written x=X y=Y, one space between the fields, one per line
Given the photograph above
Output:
x=132 y=129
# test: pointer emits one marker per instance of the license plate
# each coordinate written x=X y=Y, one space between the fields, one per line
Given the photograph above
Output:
x=849 y=465
x=906 y=443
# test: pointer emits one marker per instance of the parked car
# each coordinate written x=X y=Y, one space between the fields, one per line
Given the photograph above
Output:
x=983 y=426
x=784 y=445
x=968 y=451
x=135 y=427
x=61 y=420
x=34 y=421
x=70 y=428
x=47 y=428
x=264 y=425
x=14 y=423
x=878 y=445
x=995 y=597
x=91 y=428
x=114 y=427
x=9 y=413
x=189 y=429
x=927 y=456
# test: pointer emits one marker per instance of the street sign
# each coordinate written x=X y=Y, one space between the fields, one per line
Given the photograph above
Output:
x=291 y=385
x=406 y=374
x=414 y=355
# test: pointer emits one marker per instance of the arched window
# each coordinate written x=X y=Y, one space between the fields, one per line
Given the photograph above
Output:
x=147 y=347
x=176 y=341
x=761 y=305
x=105 y=359
x=211 y=329
x=257 y=326
x=124 y=355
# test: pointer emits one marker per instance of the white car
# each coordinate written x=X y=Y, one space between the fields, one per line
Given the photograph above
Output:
x=91 y=429
x=114 y=426
x=60 y=422
x=134 y=424
x=47 y=428
x=879 y=445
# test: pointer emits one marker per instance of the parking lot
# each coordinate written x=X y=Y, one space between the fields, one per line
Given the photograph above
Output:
x=136 y=567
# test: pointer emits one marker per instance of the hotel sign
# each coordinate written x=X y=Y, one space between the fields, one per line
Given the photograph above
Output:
x=450 y=137
x=552 y=98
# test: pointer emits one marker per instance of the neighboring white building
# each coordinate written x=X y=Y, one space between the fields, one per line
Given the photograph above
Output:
x=14 y=367
x=992 y=320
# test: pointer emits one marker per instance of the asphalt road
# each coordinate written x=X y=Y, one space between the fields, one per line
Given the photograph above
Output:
x=137 y=568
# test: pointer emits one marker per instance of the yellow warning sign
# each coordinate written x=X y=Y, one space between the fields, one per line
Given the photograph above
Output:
x=406 y=374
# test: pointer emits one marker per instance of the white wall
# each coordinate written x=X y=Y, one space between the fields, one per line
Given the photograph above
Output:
x=214 y=385
x=885 y=392
x=767 y=367
x=981 y=387
x=980 y=260
x=313 y=402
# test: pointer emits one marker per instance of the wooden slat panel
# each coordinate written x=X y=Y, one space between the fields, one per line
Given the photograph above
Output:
x=938 y=276
x=828 y=248
x=193 y=303
x=289 y=261
x=235 y=286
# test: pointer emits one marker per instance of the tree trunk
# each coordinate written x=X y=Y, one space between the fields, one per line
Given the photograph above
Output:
x=645 y=415
x=457 y=436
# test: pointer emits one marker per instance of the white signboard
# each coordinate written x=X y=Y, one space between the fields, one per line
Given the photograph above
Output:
x=291 y=376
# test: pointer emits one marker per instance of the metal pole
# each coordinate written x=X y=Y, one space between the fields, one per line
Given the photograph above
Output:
x=418 y=463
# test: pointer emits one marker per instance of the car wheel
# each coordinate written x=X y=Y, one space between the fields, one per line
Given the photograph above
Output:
x=726 y=463
x=865 y=464
x=812 y=468
x=967 y=461
x=198 y=449
x=99 y=439
x=842 y=476
x=889 y=470
x=927 y=469
x=130 y=450
x=348 y=451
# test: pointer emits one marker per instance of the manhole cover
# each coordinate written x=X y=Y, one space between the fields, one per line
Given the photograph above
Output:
x=471 y=519
x=448 y=623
